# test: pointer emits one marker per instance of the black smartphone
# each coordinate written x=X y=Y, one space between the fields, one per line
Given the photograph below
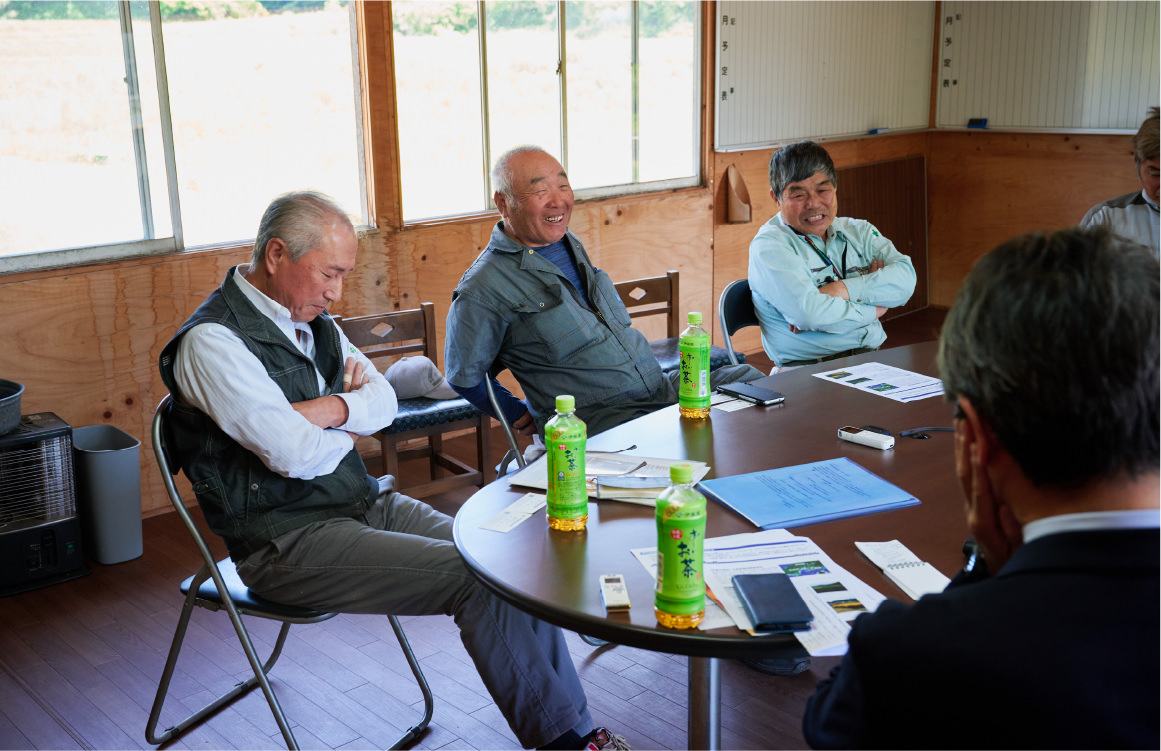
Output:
x=752 y=393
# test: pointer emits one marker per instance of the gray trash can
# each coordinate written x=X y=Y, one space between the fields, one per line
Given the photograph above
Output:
x=108 y=473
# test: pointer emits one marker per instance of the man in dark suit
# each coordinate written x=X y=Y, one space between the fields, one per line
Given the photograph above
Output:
x=1049 y=638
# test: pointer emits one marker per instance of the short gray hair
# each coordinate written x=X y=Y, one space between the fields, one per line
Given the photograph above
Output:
x=502 y=170
x=1053 y=338
x=1145 y=143
x=799 y=161
x=299 y=219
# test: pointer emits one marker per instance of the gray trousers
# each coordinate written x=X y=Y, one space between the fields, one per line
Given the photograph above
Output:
x=399 y=559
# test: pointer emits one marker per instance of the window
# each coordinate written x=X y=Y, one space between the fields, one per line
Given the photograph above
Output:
x=97 y=161
x=620 y=114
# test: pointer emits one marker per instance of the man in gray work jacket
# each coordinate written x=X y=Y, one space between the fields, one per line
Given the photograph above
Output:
x=533 y=303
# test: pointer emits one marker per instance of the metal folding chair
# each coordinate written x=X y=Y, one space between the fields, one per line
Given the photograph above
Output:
x=215 y=587
x=736 y=312
x=513 y=451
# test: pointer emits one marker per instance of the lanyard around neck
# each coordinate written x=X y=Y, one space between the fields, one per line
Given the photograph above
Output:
x=826 y=259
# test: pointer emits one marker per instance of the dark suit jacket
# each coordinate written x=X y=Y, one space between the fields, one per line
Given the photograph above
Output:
x=1057 y=650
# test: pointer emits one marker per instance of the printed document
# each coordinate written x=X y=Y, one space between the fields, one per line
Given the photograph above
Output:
x=806 y=493
x=885 y=380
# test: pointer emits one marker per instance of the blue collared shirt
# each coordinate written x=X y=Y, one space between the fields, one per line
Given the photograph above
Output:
x=786 y=270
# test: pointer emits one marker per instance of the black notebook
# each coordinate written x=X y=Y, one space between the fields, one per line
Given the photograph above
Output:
x=772 y=602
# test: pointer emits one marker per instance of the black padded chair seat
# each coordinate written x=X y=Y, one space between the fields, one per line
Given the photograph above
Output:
x=422 y=413
x=665 y=350
x=244 y=598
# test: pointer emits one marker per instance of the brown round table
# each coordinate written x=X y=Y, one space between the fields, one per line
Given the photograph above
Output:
x=554 y=575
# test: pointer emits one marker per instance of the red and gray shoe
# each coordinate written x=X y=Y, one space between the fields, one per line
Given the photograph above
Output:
x=603 y=738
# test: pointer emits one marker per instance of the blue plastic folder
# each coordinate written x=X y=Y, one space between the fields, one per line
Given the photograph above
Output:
x=806 y=493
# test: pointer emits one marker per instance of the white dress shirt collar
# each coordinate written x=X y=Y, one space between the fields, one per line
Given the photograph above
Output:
x=276 y=312
x=1091 y=521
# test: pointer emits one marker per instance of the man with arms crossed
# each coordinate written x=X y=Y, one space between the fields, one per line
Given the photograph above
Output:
x=820 y=282
x=268 y=398
x=533 y=303
x=1050 y=638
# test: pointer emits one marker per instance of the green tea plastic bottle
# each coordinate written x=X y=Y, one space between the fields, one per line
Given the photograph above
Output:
x=679 y=600
x=693 y=392
x=568 y=495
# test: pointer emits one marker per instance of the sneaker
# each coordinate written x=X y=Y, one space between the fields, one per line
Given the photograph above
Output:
x=778 y=665
x=603 y=738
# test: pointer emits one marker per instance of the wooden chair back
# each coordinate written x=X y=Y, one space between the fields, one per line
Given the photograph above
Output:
x=383 y=336
x=654 y=295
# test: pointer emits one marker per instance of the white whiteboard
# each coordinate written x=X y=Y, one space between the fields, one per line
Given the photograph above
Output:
x=793 y=70
x=1048 y=65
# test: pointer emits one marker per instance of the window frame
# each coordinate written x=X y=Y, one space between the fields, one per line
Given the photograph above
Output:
x=373 y=48
x=59 y=257
x=71 y=257
x=632 y=189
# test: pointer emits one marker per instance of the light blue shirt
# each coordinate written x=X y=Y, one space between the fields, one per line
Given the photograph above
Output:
x=785 y=274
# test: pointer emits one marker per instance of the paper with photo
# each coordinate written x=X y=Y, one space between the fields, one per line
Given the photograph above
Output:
x=885 y=380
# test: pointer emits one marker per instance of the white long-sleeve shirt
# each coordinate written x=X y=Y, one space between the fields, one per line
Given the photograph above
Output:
x=217 y=374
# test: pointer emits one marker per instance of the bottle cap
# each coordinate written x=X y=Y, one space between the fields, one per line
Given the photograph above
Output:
x=694 y=319
x=681 y=473
x=565 y=403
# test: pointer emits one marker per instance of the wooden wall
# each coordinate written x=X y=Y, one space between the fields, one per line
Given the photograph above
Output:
x=85 y=340
x=985 y=188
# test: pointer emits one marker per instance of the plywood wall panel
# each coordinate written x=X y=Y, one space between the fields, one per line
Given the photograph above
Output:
x=986 y=188
x=85 y=343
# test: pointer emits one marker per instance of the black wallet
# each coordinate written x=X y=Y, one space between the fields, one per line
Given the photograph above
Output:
x=772 y=602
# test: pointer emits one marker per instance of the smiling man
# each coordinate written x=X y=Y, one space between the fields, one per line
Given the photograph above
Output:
x=820 y=282
x=533 y=303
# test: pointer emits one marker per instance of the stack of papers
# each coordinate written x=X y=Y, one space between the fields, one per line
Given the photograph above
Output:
x=614 y=476
x=913 y=576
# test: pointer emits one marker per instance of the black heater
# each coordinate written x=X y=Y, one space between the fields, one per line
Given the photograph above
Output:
x=40 y=535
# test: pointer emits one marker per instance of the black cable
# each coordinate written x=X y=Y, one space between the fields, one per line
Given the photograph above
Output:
x=920 y=432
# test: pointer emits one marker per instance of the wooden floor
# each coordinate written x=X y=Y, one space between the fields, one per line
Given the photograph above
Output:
x=80 y=660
